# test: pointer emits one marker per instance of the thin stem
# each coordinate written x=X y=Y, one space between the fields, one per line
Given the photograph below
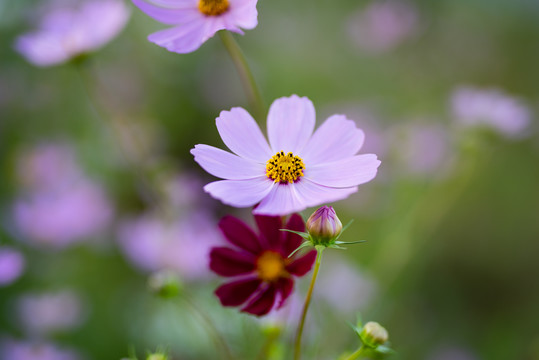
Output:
x=297 y=344
x=356 y=354
x=246 y=76
x=210 y=327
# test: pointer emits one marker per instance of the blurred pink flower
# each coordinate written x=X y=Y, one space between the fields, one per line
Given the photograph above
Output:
x=195 y=21
x=183 y=245
x=65 y=33
x=40 y=314
x=492 y=108
x=22 y=350
x=12 y=265
x=63 y=217
x=383 y=25
x=60 y=206
x=38 y=168
x=344 y=287
x=296 y=170
x=424 y=149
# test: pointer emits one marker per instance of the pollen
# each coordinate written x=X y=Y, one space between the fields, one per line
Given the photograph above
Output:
x=285 y=168
x=213 y=7
x=270 y=266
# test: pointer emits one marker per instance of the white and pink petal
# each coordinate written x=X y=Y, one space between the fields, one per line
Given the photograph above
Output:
x=351 y=171
x=290 y=123
x=225 y=165
x=242 y=135
x=337 y=138
x=240 y=193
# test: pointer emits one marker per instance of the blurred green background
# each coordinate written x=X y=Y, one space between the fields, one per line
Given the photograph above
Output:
x=450 y=263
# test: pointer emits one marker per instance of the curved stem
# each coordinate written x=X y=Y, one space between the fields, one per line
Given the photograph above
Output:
x=356 y=354
x=210 y=327
x=246 y=76
x=297 y=344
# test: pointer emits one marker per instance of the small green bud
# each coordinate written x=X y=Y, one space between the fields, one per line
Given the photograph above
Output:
x=324 y=226
x=157 y=356
x=165 y=283
x=373 y=334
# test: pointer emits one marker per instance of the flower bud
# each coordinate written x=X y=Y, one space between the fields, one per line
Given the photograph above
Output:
x=373 y=334
x=165 y=283
x=156 y=356
x=324 y=226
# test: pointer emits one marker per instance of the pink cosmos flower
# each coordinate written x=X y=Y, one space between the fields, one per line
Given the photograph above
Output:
x=298 y=169
x=66 y=33
x=182 y=245
x=41 y=314
x=195 y=21
x=12 y=265
x=492 y=108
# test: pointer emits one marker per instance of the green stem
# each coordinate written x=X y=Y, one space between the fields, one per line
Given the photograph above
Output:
x=356 y=354
x=218 y=340
x=297 y=344
x=246 y=76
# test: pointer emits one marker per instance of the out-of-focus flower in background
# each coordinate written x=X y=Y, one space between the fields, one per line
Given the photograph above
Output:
x=261 y=269
x=491 y=108
x=60 y=205
x=25 y=350
x=12 y=265
x=383 y=25
x=344 y=287
x=196 y=21
x=68 y=32
x=422 y=149
x=47 y=313
x=183 y=245
x=296 y=170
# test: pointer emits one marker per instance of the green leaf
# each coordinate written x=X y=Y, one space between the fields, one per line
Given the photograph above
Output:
x=304 y=235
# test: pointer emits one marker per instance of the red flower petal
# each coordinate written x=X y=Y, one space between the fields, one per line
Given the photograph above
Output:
x=270 y=232
x=237 y=292
x=285 y=287
x=228 y=262
x=239 y=234
x=291 y=240
x=301 y=266
x=262 y=303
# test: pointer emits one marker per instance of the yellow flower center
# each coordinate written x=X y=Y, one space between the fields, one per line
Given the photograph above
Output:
x=270 y=266
x=213 y=7
x=284 y=168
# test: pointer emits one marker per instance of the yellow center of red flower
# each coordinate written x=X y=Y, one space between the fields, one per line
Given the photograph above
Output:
x=213 y=7
x=270 y=266
x=285 y=168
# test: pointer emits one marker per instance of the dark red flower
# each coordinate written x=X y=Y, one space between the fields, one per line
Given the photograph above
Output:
x=260 y=262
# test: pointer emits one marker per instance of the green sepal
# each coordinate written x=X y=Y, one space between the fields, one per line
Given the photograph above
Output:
x=350 y=242
x=304 y=244
x=304 y=235
x=344 y=228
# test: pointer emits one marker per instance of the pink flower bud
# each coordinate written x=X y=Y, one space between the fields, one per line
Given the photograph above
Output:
x=324 y=226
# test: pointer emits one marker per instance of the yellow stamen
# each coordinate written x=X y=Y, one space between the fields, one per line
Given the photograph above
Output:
x=213 y=7
x=270 y=266
x=285 y=168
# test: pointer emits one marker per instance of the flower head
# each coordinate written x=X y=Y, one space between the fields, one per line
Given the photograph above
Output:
x=264 y=272
x=67 y=33
x=297 y=169
x=195 y=21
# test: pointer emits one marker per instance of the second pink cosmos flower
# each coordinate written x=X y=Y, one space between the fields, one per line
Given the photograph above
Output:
x=296 y=170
